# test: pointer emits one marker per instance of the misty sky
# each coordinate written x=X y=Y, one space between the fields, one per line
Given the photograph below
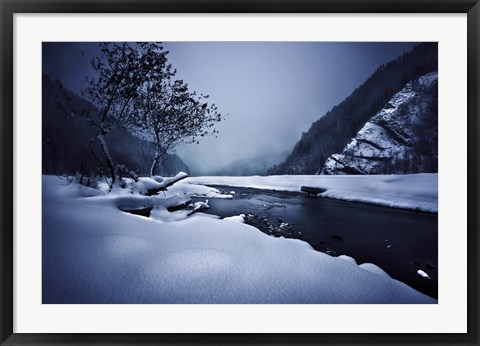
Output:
x=271 y=91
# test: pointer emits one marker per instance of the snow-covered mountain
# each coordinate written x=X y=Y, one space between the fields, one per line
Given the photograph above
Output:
x=400 y=138
x=334 y=130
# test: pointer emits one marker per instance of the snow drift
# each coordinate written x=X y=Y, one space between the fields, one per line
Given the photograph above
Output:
x=95 y=253
x=411 y=191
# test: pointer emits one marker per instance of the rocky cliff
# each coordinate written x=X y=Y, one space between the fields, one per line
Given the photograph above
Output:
x=400 y=138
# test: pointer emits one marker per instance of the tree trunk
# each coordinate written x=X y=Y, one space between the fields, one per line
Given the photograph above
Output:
x=106 y=152
x=154 y=164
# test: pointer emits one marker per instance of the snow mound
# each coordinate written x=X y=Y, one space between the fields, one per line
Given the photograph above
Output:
x=372 y=268
x=194 y=190
x=423 y=274
x=165 y=182
x=200 y=205
x=145 y=184
x=93 y=253
x=348 y=259
x=238 y=218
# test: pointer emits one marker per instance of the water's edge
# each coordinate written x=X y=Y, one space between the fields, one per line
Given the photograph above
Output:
x=399 y=241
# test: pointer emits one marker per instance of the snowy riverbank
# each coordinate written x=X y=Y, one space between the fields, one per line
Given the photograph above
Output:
x=95 y=253
x=411 y=191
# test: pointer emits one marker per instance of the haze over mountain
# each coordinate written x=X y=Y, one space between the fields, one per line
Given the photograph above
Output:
x=270 y=91
x=263 y=123
x=256 y=165
x=332 y=132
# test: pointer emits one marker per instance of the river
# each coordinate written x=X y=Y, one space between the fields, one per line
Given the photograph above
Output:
x=399 y=241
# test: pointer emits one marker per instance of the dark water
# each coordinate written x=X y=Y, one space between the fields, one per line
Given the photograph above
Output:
x=398 y=241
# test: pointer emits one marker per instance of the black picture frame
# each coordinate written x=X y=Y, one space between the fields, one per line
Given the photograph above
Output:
x=9 y=7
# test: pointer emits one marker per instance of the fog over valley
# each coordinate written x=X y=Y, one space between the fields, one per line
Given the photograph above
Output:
x=270 y=92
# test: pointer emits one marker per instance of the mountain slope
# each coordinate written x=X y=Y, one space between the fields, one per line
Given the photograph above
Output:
x=401 y=138
x=256 y=165
x=67 y=147
x=332 y=132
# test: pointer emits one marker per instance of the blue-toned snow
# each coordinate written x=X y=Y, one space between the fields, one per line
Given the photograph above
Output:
x=95 y=253
x=408 y=191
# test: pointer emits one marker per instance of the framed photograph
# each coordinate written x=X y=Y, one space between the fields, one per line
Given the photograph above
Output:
x=239 y=172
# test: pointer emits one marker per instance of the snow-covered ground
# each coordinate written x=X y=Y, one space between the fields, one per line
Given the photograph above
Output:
x=95 y=253
x=410 y=191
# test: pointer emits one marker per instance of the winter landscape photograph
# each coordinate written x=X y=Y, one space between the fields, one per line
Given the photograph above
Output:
x=240 y=173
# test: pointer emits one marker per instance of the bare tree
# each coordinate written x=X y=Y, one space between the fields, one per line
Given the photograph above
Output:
x=169 y=114
x=133 y=89
x=123 y=73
